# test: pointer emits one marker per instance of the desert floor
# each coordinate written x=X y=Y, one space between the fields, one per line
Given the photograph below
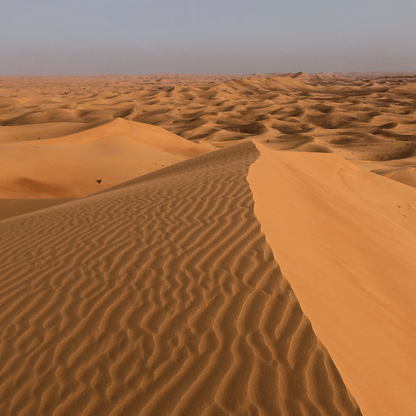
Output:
x=208 y=245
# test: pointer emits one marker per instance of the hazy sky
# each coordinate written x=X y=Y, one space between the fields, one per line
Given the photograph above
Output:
x=92 y=37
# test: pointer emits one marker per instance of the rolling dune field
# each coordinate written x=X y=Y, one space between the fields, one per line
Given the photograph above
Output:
x=208 y=245
x=364 y=119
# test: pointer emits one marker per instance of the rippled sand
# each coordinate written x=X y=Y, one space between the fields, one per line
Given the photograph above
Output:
x=143 y=221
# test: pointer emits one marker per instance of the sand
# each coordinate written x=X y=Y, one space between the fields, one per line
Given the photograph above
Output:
x=208 y=245
x=158 y=298
x=346 y=241
x=83 y=163
x=360 y=118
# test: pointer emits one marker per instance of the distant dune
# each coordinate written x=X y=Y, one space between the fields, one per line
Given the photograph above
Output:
x=358 y=117
x=208 y=245
x=86 y=162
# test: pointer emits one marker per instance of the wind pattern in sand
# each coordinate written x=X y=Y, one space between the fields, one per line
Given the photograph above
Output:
x=160 y=297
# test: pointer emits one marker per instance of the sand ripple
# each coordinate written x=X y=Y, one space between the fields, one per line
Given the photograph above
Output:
x=159 y=297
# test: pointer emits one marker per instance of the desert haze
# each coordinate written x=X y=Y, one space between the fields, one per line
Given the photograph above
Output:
x=208 y=245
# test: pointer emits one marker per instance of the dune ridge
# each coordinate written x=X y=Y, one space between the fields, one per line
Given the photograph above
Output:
x=346 y=241
x=157 y=298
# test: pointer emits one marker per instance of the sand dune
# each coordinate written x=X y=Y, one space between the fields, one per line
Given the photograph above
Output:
x=134 y=275
x=41 y=131
x=14 y=207
x=405 y=175
x=158 y=298
x=359 y=118
x=85 y=162
x=346 y=241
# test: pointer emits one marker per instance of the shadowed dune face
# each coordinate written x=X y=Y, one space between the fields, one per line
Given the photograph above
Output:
x=14 y=207
x=360 y=118
x=404 y=175
x=160 y=297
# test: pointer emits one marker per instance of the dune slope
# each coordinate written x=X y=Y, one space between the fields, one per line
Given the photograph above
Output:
x=161 y=297
x=346 y=241
x=86 y=162
x=14 y=207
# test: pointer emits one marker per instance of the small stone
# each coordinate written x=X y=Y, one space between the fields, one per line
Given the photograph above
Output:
x=98 y=180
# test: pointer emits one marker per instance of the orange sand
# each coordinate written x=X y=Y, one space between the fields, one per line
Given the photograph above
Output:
x=70 y=166
x=134 y=275
x=346 y=241
x=158 y=298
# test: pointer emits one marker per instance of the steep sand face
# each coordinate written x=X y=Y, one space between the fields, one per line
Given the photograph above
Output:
x=86 y=162
x=346 y=241
x=160 y=297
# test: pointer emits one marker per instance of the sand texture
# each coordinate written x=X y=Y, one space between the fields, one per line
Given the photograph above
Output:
x=346 y=241
x=370 y=120
x=208 y=245
x=158 y=298
x=83 y=163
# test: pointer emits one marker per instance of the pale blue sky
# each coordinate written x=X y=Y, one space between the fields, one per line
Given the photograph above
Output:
x=91 y=37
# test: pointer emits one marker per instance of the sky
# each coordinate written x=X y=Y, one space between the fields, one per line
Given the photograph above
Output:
x=97 y=37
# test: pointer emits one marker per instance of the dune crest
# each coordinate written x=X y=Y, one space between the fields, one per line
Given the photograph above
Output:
x=346 y=241
x=160 y=297
x=86 y=162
